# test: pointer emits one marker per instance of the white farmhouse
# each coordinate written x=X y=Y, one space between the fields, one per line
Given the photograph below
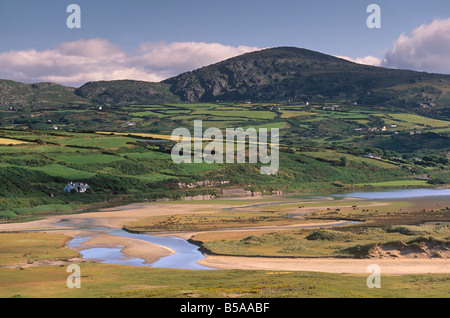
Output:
x=78 y=187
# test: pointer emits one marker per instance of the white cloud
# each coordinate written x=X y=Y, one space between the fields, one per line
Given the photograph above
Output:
x=367 y=60
x=427 y=49
x=75 y=63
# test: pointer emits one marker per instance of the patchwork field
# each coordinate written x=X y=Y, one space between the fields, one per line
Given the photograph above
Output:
x=133 y=166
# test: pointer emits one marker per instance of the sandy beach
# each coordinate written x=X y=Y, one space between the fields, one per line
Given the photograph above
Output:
x=116 y=217
x=330 y=265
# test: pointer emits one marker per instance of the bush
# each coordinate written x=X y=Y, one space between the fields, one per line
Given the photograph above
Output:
x=7 y=215
x=276 y=239
x=329 y=235
x=359 y=251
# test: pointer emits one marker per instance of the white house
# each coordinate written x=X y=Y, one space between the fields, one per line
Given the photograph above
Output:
x=334 y=107
x=79 y=187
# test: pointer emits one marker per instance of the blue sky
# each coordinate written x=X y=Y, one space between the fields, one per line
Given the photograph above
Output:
x=329 y=26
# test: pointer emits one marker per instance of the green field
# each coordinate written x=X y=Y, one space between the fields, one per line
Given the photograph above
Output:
x=398 y=183
x=123 y=167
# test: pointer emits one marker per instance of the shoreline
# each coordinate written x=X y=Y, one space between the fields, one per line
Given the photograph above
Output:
x=122 y=202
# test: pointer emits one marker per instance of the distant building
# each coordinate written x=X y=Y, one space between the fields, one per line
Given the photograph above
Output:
x=371 y=156
x=130 y=123
x=422 y=177
x=78 y=187
x=334 y=107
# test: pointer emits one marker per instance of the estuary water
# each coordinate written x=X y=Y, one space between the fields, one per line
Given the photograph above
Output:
x=186 y=254
x=185 y=257
x=398 y=194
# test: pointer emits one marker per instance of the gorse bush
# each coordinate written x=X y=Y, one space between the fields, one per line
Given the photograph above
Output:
x=330 y=235
x=269 y=238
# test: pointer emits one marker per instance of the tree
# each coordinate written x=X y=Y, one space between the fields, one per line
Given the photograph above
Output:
x=344 y=161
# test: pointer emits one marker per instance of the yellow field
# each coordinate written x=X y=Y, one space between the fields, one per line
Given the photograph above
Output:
x=294 y=113
x=7 y=141
x=412 y=121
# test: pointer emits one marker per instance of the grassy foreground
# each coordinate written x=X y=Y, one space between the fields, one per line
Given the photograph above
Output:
x=100 y=280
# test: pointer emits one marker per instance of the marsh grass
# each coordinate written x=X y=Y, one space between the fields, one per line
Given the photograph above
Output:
x=209 y=221
x=18 y=248
x=317 y=243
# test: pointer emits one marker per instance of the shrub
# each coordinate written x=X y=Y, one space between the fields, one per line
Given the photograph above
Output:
x=7 y=215
x=276 y=239
x=329 y=235
x=359 y=251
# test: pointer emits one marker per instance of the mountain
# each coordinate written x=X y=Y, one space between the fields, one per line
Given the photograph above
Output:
x=16 y=94
x=280 y=74
x=288 y=73
x=125 y=92
x=271 y=75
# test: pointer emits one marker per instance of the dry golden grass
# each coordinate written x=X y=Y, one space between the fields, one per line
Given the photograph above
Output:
x=7 y=141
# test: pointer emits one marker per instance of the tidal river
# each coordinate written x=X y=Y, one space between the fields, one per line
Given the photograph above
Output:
x=185 y=257
x=186 y=254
